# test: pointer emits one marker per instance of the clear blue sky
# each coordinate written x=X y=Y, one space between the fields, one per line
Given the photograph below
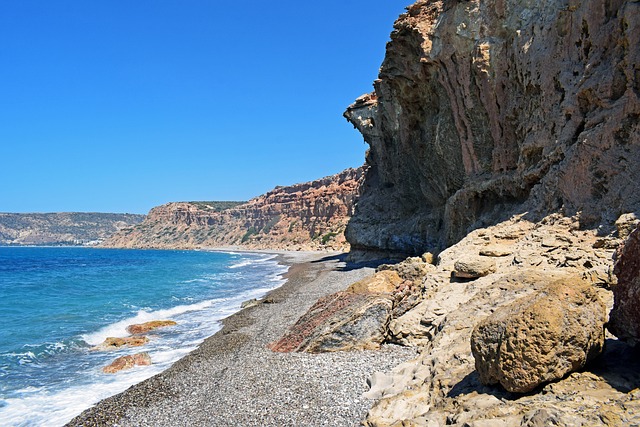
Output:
x=119 y=106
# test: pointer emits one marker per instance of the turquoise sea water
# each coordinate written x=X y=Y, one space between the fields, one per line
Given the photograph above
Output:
x=57 y=303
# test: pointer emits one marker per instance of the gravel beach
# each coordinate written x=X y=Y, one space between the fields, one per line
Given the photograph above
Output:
x=232 y=379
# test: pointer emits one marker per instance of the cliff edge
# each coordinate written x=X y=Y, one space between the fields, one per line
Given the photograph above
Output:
x=307 y=216
x=483 y=110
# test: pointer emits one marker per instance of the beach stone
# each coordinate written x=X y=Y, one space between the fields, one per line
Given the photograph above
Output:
x=624 y=321
x=112 y=343
x=143 y=328
x=473 y=267
x=381 y=282
x=127 y=362
x=412 y=268
x=541 y=337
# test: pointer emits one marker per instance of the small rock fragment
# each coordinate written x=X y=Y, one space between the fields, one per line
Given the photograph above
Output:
x=472 y=267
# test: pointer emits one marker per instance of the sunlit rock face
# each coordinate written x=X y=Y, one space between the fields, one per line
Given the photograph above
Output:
x=307 y=216
x=487 y=109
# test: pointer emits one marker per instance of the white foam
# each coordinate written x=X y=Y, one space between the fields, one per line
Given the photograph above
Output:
x=119 y=329
x=42 y=407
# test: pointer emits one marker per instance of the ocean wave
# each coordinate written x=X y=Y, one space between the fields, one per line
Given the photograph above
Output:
x=119 y=329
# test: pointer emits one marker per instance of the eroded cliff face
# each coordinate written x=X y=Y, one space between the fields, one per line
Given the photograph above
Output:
x=306 y=216
x=485 y=109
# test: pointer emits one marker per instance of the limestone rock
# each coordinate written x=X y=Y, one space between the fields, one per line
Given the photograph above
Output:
x=624 y=319
x=472 y=267
x=382 y=282
x=540 y=338
x=113 y=343
x=143 y=328
x=442 y=387
x=496 y=251
x=127 y=362
x=412 y=268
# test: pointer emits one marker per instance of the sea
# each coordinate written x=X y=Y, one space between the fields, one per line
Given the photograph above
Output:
x=57 y=303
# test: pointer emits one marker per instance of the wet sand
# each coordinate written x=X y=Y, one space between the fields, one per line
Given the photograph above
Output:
x=232 y=379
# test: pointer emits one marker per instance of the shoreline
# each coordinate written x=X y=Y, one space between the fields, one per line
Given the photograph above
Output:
x=233 y=378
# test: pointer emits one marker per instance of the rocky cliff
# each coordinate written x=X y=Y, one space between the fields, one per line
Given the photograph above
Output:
x=485 y=109
x=62 y=228
x=306 y=216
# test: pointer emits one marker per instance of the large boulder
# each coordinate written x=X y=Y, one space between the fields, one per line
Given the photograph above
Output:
x=624 y=320
x=540 y=338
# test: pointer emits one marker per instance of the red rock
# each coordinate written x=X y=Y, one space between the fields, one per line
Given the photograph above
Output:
x=127 y=362
x=143 y=328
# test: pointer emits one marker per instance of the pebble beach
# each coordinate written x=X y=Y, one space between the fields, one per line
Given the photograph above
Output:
x=234 y=379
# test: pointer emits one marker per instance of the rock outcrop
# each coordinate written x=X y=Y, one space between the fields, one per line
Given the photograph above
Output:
x=540 y=338
x=114 y=343
x=624 y=319
x=143 y=328
x=357 y=318
x=62 y=228
x=485 y=109
x=127 y=362
x=305 y=216
x=442 y=385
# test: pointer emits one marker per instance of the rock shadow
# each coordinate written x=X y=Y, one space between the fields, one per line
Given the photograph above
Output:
x=347 y=264
x=618 y=365
x=471 y=383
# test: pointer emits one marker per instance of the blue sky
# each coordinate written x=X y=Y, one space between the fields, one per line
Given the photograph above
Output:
x=119 y=106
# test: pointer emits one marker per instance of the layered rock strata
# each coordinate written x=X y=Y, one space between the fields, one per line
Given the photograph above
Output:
x=305 y=216
x=485 y=109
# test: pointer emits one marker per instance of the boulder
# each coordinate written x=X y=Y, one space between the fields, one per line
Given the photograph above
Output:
x=113 y=343
x=472 y=267
x=127 y=362
x=338 y=322
x=143 y=328
x=625 y=224
x=412 y=268
x=624 y=320
x=381 y=282
x=541 y=337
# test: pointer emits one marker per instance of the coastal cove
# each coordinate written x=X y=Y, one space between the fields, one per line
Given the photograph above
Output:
x=234 y=379
x=58 y=304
